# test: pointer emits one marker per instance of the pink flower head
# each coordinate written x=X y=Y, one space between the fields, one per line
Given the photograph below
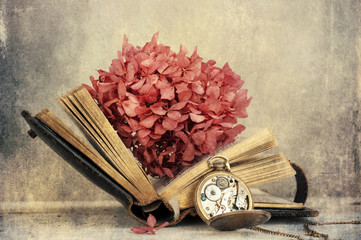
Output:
x=168 y=107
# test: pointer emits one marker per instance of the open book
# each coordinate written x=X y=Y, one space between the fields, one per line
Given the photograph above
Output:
x=109 y=154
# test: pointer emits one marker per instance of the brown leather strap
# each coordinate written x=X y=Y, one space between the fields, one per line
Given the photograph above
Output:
x=302 y=184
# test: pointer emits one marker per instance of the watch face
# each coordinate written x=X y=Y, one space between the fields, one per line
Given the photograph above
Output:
x=221 y=192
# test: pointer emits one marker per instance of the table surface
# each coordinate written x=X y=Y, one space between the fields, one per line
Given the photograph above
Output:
x=109 y=220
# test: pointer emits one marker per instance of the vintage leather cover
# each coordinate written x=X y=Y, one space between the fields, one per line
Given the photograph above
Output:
x=83 y=165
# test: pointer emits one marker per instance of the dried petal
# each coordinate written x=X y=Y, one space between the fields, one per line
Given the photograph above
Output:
x=94 y=83
x=149 y=121
x=211 y=141
x=155 y=136
x=125 y=128
x=172 y=71
x=183 y=61
x=229 y=96
x=152 y=79
x=175 y=115
x=144 y=90
x=194 y=110
x=129 y=107
x=178 y=106
x=162 y=67
x=169 y=124
x=141 y=110
x=198 y=126
x=208 y=124
x=179 y=127
x=118 y=67
x=107 y=104
x=226 y=124
x=134 y=124
x=159 y=129
x=144 y=141
x=182 y=86
x=197 y=88
x=162 y=82
x=157 y=170
x=162 y=226
x=153 y=67
x=182 y=136
x=157 y=108
x=169 y=173
x=106 y=87
x=214 y=105
x=213 y=91
x=147 y=62
x=197 y=118
x=183 y=118
x=140 y=230
x=147 y=157
x=167 y=93
x=127 y=47
x=199 y=138
x=185 y=95
x=189 y=75
x=151 y=221
x=121 y=90
x=242 y=103
x=188 y=154
x=143 y=133
x=172 y=159
x=232 y=133
x=138 y=85
x=132 y=68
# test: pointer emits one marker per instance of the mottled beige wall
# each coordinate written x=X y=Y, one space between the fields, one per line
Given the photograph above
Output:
x=300 y=61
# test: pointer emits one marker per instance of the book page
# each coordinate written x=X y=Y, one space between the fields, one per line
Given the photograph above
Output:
x=83 y=107
x=53 y=122
x=242 y=151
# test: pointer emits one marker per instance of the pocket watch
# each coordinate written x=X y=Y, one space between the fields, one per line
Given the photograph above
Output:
x=224 y=201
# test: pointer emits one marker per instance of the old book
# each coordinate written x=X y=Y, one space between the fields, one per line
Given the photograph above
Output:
x=110 y=155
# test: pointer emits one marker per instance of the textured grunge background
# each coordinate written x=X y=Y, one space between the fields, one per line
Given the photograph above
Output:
x=300 y=61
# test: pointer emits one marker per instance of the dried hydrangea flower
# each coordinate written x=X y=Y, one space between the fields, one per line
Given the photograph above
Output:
x=167 y=107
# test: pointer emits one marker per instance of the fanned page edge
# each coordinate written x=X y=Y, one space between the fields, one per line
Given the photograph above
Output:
x=50 y=119
x=166 y=187
x=148 y=193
